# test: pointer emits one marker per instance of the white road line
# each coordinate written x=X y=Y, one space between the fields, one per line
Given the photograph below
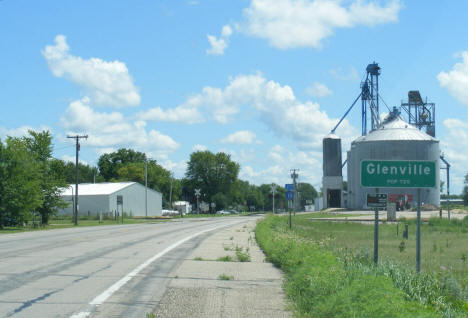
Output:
x=101 y=298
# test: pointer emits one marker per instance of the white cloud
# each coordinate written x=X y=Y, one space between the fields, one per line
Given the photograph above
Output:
x=454 y=145
x=180 y=114
x=112 y=130
x=306 y=23
x=177 y=168
x=218 y=45
x=340 y=74
x=226 y=31
x=456 y=81
x=242 y=156
x=198 y=147
x=21 y=131
x=318 y=90
x=107 y=83
x=308 y=162
x=72 y=159
x=303 y=122
x=239 y=138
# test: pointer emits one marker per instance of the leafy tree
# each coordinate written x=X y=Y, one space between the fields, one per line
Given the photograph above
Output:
x=255 y=198
x=220 y=200
x=212 y=173
x=86 y=173
x=159 y=178
x=39 y=144
x=280 y=200
x=110 y=163
x=307 y=192
x=20 y=182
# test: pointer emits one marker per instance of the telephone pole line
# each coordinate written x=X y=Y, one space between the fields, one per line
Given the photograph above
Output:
x=294 y=176
x=77 y=138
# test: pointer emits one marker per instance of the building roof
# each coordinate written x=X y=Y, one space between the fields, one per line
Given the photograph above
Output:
x=103 y=188
x=396 y=129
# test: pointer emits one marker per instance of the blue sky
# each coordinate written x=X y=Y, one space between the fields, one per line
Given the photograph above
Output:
x=263 y=80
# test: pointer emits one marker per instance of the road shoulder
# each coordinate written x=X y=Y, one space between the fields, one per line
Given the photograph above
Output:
x=226 y=276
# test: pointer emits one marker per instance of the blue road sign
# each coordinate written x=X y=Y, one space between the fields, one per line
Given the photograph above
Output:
x=289 y=187
x=289 y=195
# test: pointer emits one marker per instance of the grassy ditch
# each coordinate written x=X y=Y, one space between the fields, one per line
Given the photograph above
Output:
x=327 y=278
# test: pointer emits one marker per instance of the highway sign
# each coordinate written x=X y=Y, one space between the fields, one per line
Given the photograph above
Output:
x=398 y=174
x=289 y=187
x=378 y=200
x=289 y=195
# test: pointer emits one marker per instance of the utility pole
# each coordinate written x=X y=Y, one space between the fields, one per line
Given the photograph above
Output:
x=273 y=192
x=170 y=193
x=77 y=138
x=146 y=187
x=294 y=176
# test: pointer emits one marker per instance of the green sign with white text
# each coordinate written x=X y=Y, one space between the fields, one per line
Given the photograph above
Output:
x=398 y=174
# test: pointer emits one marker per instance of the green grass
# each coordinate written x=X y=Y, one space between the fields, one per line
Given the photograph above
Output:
x=226 y=258
x=225 y=277
x=330 y=273
x=241 y=255
x=449 y=237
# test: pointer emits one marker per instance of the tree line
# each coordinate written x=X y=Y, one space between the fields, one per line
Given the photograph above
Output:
x=31 y=180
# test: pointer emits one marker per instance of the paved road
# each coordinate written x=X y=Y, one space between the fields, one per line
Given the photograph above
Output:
x=107 y=271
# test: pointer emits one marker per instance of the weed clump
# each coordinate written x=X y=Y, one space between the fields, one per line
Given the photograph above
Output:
x=225 y=277
x=226 y=258
x=241 y=255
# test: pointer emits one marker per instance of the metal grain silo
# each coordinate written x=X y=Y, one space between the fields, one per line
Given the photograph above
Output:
x=332 y=183
x=395 y=139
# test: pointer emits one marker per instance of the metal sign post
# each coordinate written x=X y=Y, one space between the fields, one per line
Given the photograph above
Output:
x=377 y=201
x=119 y=202
x=418 y=235
x=197 y=194
x=376 y=236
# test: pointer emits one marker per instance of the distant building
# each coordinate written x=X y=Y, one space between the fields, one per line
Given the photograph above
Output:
x=183 y=207
x=113 y=197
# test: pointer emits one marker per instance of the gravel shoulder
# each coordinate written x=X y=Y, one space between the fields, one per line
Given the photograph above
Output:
x=205 y=286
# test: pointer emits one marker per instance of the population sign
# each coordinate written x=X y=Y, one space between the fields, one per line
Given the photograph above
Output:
x=398 y=174
x=378 y=200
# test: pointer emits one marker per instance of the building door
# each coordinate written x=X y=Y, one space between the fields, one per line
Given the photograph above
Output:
x=334 y=198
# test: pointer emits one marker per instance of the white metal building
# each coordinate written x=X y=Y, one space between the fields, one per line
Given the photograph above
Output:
x=112 y=197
